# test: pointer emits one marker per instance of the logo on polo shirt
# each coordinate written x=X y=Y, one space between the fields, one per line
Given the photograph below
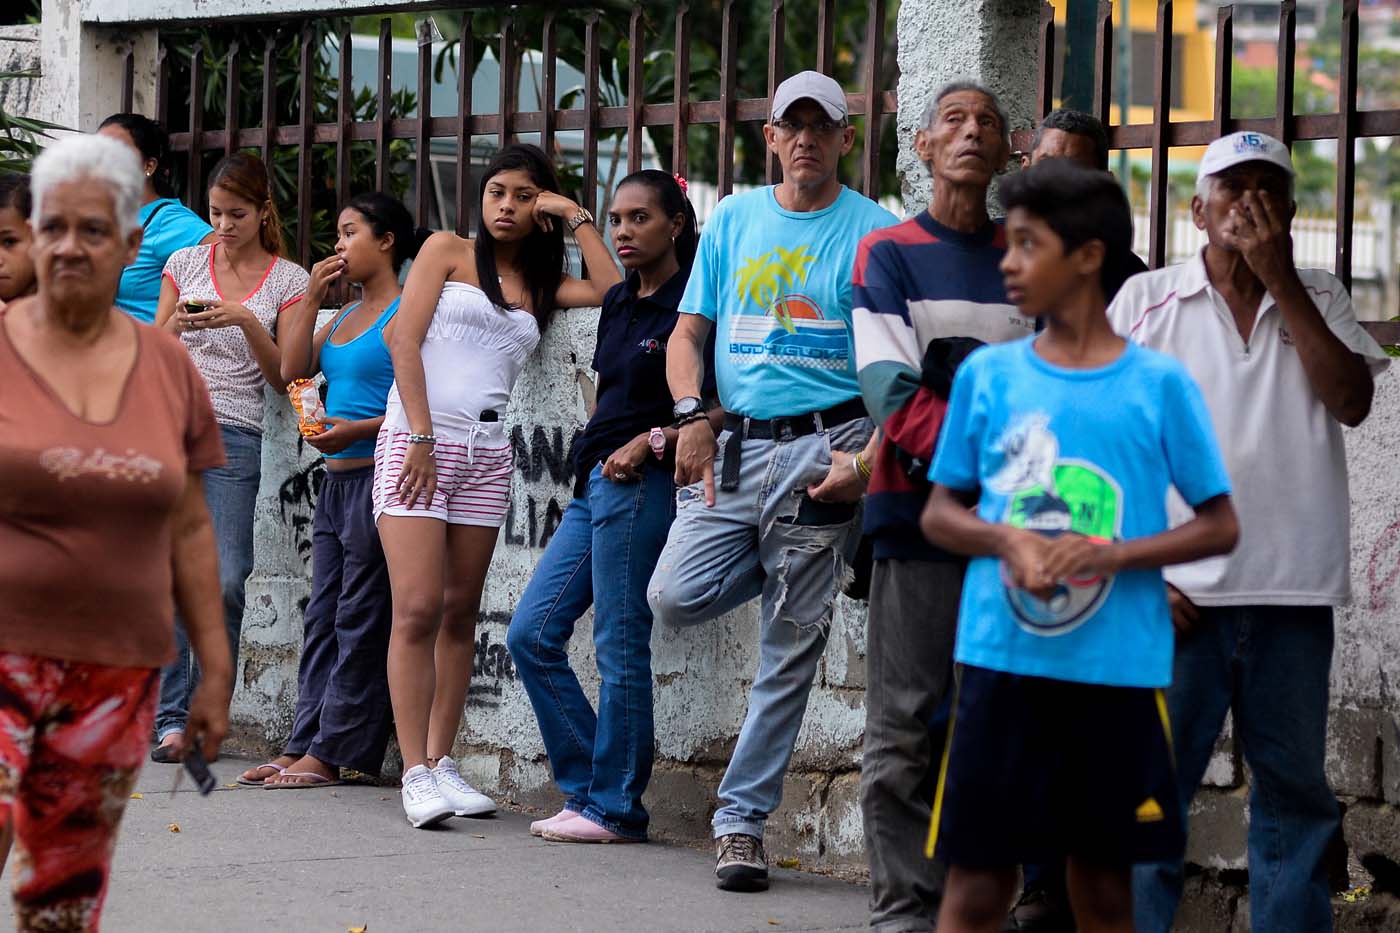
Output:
x=1054 y=496
x=792 y=329
x=652 y=346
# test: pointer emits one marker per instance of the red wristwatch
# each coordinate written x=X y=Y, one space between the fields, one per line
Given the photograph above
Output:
x=657 y=442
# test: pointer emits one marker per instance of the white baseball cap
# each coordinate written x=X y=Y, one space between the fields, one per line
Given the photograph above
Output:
x=812 y=85
x=1229 y=151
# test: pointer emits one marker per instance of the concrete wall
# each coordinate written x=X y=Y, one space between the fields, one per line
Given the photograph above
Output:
x=702 y=675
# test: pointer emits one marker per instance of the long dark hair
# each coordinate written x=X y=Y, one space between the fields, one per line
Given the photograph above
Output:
x=542 y=253
x=150 y=137
x=673 y=201
x=244 y=175
x=386 y=214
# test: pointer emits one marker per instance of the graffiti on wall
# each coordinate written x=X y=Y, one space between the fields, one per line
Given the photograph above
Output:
x=296 y=503
x=545 y=457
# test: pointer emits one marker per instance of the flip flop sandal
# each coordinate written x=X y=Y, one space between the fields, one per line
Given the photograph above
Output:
x=258 y=782
x=164 y=755
x=317 y=780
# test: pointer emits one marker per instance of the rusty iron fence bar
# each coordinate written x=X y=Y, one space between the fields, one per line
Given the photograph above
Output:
x=423 y=181
x=305 y=107
x=230 y=99
x=1345 y=126
x=594 y=117
x=1103 y=61
x=777 y=21
x=728 y=76
x=345 y=117
x=636 y=88
x=196 y=161
x=874 y=59
x=549 y=50
x=1346 y=139
x=1161 y=106
x=679 y=125
x=386 y=93
x=826 y=35
x=1287 y=53
x=466 y=65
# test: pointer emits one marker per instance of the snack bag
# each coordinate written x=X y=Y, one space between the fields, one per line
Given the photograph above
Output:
x=306 y=402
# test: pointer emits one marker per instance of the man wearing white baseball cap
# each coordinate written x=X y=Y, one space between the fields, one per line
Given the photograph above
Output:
x=1283 y=364
x=773 y=510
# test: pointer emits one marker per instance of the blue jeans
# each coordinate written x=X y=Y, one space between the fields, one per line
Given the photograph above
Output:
x=602 y=555
x=1268 y=665
x=231 y=492
x=767 y=538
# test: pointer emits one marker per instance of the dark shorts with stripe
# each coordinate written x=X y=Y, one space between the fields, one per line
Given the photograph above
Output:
x=1038 y=769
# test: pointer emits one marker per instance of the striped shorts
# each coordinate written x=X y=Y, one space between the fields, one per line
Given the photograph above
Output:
x=473 y=477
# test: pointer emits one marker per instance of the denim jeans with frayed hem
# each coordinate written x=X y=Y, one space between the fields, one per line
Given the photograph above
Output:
x=231 y=492
x=1268 y=666
x=767 y=538
x=602 y=555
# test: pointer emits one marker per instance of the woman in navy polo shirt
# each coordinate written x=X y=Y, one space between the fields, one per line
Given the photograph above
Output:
x=612 y=533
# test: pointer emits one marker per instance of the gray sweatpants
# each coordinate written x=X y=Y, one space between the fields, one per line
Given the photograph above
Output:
x=909 y=663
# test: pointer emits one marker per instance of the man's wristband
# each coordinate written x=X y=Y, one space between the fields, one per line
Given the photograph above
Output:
x=861 y=467
x=690 y=418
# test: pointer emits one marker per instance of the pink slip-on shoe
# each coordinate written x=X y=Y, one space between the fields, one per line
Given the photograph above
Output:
x=538 y=827
x=579 y=829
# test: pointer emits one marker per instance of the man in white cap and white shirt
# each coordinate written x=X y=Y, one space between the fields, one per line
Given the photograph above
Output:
x=1283 y=364
x=772 y=507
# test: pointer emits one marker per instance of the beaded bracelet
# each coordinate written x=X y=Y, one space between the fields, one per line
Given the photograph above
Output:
x=423 y=439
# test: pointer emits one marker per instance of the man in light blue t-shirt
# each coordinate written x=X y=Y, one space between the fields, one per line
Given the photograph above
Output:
x=773 y=275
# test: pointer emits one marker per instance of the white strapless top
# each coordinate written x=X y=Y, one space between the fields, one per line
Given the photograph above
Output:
x=472 y=354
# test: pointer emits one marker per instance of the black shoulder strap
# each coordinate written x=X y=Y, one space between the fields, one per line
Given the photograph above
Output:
x=159 y=207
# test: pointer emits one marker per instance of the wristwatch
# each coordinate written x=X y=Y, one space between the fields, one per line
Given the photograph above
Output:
x=584 y=216
x=687 y=407
x=657 y=442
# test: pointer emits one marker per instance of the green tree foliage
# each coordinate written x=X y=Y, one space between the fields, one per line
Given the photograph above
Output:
x=250 y=40
x=706 y=28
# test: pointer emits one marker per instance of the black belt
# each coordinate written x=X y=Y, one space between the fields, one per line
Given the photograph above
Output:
x=779 y=429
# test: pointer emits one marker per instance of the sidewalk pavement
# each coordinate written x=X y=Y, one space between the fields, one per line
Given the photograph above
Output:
x=344 y=858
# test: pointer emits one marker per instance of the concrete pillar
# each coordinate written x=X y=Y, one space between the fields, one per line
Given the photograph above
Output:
x=989 y=41
x=82 y=66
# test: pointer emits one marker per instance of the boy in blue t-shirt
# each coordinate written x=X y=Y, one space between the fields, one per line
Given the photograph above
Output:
x=1067 y=443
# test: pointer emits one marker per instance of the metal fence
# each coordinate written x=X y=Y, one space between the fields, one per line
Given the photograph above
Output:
x=1345 y=126
x=679 y=113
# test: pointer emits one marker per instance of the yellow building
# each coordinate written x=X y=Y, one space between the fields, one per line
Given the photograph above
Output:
x=1193 y=58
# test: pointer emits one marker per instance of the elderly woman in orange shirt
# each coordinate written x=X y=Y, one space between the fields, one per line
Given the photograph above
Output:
x=105 y=427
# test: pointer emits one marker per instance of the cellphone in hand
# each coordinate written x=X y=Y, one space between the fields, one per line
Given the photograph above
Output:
x=199 y=771
x=195 y=307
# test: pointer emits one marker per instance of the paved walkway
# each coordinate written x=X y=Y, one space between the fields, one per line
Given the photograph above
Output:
x=337 y=859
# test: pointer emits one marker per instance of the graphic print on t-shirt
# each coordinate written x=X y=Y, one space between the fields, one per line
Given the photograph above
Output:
x=1051 y=496
x=790 y=328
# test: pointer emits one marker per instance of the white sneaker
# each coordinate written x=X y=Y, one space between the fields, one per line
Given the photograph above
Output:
x=464 y=799
x=423 y=803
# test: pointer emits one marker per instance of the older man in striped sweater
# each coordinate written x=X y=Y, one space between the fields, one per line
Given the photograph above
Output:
x=925 y=291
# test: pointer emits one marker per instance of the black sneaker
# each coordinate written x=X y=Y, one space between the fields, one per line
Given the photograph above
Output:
x=1039 y=911
x=740 y=864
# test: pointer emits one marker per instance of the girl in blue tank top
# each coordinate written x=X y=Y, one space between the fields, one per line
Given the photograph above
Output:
x=343 y=713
